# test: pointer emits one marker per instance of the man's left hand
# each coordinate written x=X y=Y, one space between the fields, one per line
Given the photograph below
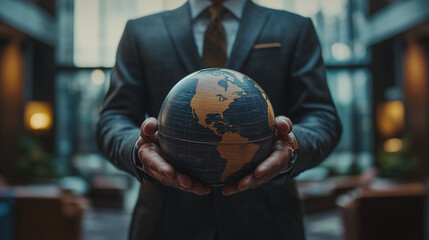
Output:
x=273 y=165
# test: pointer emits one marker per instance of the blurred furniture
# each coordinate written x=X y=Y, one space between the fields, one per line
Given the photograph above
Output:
x=384 y=211
x=2 y=183
x=108 y=191
x=48 y=213
x=319 y=196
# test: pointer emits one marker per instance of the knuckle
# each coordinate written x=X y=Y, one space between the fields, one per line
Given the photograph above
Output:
x=276 y=165
x=149 y=162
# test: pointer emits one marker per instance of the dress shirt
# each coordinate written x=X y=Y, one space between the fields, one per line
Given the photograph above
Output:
x=230 y=21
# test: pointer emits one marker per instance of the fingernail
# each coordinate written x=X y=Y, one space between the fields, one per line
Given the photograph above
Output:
x=288 y=127
x=228 y=193
x=198 y=193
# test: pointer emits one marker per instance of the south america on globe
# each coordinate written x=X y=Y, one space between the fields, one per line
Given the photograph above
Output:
x=216 y=125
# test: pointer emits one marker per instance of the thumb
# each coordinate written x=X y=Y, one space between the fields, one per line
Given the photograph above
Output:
x=149 y=127
x=283 y=125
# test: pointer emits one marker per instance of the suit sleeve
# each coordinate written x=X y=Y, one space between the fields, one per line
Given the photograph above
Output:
x=123 y=110
x=317 y=127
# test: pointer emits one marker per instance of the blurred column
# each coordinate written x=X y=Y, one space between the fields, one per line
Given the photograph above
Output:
x=65 y=13
x=64 y=58
x=11 y=106
x=416 y=89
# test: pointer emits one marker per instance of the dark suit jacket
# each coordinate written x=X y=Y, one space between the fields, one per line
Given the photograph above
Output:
x=157 y=51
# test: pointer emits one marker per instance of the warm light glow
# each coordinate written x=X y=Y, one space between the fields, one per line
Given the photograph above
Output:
x=416 y=87
x=11 y=87
x=415 y=69
x=40 y=121
x=11 y=73
x=98 y=77
x=390 y=118
x=393 y=145
x=38 y=116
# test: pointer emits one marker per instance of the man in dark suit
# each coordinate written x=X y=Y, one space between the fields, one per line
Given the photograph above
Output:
x=277 y=49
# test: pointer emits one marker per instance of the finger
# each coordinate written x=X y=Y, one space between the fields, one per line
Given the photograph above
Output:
x=200 y=188
x=250 y=181
x=162 y=167
x=179 y=183
x=283 y=125
x=230 y=188
x=140 y=142
x=276 y=161
x=183 y=180
x=149 y=127
x=259 y=181
x=246 y=182
x=153 y=160
x=171 y=182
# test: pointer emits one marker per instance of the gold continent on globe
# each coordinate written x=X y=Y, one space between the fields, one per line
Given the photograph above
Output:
x=216 y=125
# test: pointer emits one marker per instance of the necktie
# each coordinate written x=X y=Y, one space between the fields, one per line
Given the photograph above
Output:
x=214 y=51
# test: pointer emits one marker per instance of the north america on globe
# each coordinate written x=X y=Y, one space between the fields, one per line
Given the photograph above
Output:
x=216 y=125
x=222 y=93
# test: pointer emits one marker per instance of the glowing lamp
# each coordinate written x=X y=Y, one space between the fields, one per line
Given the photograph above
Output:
x=392 y=145
x=38 y=116
x=390 y=118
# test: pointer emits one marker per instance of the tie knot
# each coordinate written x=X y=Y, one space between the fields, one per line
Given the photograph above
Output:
x=216 y=11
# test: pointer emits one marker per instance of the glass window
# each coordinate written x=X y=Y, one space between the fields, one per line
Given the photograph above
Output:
x=351 y=92
x=98 y=26
x=77 y=107
x=337 y=24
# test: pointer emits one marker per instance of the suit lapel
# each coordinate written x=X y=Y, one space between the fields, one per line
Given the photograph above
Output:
x=179 y=27
x=251 y=25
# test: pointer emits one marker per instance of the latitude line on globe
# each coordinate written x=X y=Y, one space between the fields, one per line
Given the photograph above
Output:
x=214 y=143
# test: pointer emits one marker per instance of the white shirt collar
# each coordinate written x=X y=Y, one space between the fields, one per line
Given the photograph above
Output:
x=234 y=6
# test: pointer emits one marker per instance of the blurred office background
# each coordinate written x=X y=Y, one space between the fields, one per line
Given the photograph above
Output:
x=55 y=60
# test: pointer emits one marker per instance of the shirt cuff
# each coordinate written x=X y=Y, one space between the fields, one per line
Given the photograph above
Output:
x=142 y=175
x=292 y=161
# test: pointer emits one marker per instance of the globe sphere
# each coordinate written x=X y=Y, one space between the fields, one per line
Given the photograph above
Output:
x=216 y=125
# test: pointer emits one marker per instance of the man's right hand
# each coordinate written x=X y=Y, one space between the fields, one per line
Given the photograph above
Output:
x=157 y=167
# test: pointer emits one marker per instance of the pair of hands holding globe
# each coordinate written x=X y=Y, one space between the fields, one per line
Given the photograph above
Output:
x=157 y=167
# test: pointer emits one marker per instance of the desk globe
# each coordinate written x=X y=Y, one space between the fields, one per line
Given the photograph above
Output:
x=216 y=125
